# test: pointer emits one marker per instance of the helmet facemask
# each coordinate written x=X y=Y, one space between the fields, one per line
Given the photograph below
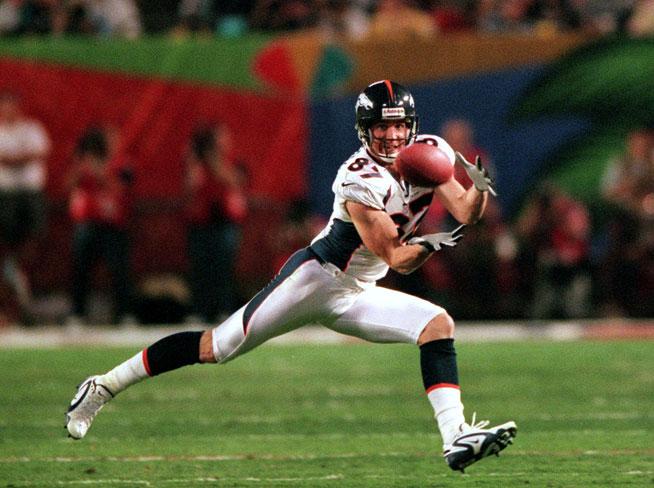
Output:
x=386 y=149
x=385 y=101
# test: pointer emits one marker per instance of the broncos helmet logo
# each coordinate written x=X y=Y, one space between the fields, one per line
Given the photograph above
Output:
x=364 y=101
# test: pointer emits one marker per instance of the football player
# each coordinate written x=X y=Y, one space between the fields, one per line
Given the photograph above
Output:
x=333 y=281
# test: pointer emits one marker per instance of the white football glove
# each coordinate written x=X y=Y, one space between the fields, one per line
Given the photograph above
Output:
x=435 y=242
x=477 y=173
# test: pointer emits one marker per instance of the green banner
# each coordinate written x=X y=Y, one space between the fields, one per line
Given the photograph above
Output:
x=225 y=62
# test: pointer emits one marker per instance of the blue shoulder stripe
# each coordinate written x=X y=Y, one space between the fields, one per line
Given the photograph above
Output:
x=339 y=244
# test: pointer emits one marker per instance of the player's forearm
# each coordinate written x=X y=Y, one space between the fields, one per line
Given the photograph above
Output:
x=407 y=258
x=472 y=206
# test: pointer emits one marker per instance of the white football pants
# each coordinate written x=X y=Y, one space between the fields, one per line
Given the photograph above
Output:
x=307 y=291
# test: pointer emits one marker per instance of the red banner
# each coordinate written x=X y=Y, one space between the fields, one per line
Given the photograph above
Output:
x=156 y=119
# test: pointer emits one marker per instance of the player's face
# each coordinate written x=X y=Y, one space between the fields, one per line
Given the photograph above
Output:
x=388 y=137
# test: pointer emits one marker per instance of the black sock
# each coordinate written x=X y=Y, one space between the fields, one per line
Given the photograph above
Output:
x=173 y=352
x=438 y=363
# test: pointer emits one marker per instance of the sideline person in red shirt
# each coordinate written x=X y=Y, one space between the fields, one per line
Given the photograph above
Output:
x=216 y=207
x=99 y=206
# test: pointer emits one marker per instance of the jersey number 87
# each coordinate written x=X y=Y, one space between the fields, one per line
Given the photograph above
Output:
x=362 y=163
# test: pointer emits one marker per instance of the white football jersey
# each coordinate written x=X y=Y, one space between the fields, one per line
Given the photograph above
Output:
x=360 y=179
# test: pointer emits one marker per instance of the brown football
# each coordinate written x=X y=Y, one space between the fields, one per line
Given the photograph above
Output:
x=424 y=164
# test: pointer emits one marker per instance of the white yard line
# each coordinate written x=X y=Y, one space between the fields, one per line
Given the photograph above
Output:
x=104 y=482
x=294 y=457
x=201 y=458
x=291 y=480
x=279 y=419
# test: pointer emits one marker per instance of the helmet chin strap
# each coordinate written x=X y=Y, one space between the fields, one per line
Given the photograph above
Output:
x=380 y=158
x=385 y=158
x=389 y=158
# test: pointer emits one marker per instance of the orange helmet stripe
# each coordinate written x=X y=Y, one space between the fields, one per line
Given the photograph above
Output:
x=389 y=87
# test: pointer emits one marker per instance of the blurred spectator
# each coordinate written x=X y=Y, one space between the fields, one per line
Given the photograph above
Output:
x=195 y=16
x=228 y=18
x=99 y=205
x=216 y=208
x=284 y=15
x=602 y=16
x=357 y=17
x=453 y=15
x=332 y=17
x=628 y=178
x=460 y=135
x=24 y=147
x=232 y=17
x=36 y=16
x=299 y=227
x=400 y=19
x=9 y=16
x=351 y=18
x=555 y=237
x=548 y=17
x=76 y=19
x=553 y=16
x=510 y=292
x=640 y=22
x=115 y=18
x=628 y=188
x=52 y=17
x=344 y=18
x=504 y=16
x=484 y=277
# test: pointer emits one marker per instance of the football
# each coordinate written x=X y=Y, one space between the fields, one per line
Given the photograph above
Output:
x=424 y=164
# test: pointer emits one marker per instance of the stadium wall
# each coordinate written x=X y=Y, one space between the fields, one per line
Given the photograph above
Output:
x=156 y=90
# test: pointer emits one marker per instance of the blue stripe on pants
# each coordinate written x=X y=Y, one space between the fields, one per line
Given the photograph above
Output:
x=294 y=262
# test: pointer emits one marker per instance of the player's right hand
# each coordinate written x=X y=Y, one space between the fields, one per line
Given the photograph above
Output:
x=435 y=242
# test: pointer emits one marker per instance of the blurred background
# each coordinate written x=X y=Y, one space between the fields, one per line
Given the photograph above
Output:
x=160 y=160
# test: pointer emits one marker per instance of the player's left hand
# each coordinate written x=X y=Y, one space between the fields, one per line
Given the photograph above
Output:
x=435 y=242
x=477 y=173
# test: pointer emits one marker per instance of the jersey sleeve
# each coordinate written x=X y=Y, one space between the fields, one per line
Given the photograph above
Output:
x=364 y=195
x=364 y=187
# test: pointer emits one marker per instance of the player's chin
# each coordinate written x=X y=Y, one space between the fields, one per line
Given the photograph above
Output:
x=389 y=156
x=387 y=161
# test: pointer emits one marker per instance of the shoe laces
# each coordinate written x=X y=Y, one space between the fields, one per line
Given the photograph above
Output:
x=477 y=425
x=98 y=396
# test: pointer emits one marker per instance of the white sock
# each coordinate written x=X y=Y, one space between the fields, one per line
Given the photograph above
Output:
x=448 y=411
x=126 y=374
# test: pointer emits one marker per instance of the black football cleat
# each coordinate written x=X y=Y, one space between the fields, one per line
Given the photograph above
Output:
x=475 y=442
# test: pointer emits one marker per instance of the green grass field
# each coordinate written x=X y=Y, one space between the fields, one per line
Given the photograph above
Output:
x=334 y=415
